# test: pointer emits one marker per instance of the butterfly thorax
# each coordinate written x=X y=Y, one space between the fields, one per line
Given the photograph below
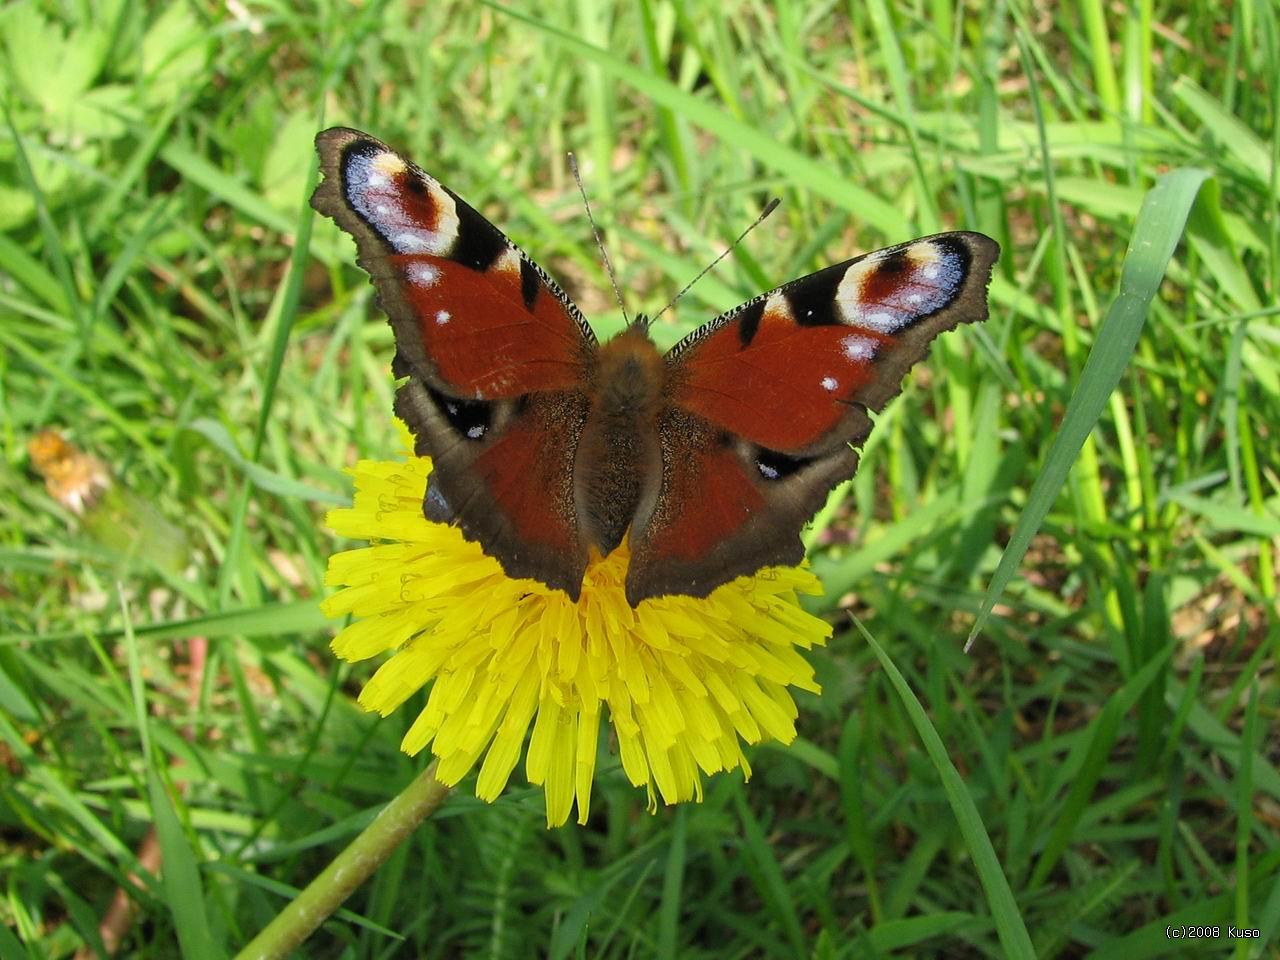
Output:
x=619 y=445
x=628 y=378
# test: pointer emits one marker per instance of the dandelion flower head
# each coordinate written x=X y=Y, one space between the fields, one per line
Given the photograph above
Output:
x=683 y=681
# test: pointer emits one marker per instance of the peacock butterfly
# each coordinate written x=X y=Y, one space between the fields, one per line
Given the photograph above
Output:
x=548 y=445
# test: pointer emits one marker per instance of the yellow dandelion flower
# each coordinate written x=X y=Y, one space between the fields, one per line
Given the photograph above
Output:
x=685 y=681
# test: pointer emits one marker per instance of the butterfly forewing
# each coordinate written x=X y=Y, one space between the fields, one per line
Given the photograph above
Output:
x=783 y=369
x=468 y=306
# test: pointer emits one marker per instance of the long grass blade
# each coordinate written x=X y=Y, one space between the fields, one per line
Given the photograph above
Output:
x=1156 y=233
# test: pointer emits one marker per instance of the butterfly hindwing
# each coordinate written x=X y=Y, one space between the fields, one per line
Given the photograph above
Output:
x=510 y=488
x=780 y=389
x=493 y=350
x=688 y=537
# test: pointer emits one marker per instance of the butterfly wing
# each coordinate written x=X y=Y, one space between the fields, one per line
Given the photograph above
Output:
x=493 y=350
x=767 y=402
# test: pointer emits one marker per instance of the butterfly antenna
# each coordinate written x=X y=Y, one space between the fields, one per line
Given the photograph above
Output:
x=769 y=208
x=604 y=254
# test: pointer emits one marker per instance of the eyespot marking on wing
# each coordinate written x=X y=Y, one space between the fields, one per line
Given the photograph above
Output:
x=470 y=419
x=891 y=291
x=778 y=466
x=407 y=209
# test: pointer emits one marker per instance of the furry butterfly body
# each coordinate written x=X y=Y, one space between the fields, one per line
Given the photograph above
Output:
x=548 y=446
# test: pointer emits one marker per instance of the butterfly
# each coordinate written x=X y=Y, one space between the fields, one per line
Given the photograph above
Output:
x=549 y=447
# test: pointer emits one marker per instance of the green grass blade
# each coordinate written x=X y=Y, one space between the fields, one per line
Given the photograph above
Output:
x=1242 y=143
x=260 y=476
x=1097 y=750
x=672 y=882
x=1223 y=518
x=771 y=885
x=839 y=575
x=54 y=241
x=1226 y=744
x=1245 y=800
x=274 y=619
x=231 y=190
x=1152 y=939
x=1004 y=908
x=285 y=314
x=851 y=771
x=765 y=147
x=1093 y=12
x=1155 y=236
x=28 y=272
x=180 y=872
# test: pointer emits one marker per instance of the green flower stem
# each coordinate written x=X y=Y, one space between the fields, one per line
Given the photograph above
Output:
x=349 y=869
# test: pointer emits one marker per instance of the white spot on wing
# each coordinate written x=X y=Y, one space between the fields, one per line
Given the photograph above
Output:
x=476 y=432
x=422 y=274
x=766 y=471
x=443 y=317
x=858 y=348
x=829 y=384
x=931 y=272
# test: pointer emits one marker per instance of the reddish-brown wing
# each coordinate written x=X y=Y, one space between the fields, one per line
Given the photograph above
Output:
x=494 y=352
x=768 y=401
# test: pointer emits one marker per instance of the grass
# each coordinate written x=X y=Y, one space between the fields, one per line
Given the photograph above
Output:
x=1101 y=765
